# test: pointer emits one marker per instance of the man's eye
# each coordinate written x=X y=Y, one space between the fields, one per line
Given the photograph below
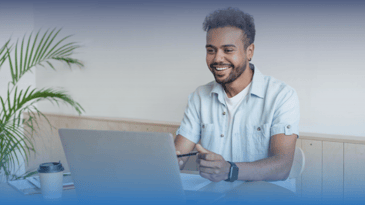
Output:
x=229 y=50
x=210 y=50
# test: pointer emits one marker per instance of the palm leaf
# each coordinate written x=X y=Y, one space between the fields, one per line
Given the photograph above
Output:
x=12 y=139
x=12 y=70
x=27 y=54
x=25 y=175
x=22 y=102
x=38 y=47
x=38 y=52
x=3 y=53
x=15 y=142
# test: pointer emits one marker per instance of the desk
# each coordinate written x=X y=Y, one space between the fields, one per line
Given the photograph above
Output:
x=10 y=194
x=259 y=191
x=248 y=191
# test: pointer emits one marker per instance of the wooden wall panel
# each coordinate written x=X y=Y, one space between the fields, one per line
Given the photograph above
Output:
x=312 y=174
x=298 y=181
x=332 y=171
x=354 y=170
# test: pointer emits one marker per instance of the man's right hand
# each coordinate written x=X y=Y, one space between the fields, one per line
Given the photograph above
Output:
x=180 y=161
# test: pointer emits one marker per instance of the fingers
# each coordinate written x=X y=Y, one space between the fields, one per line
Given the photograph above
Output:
x=214 y=170
x=201 y=149
x=209 y=170
x=210 y=156
x=213 y=174
x=206 y=154
x=212 y=164
x=180 y=161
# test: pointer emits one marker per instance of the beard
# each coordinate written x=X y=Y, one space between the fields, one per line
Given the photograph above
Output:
x=235 y=73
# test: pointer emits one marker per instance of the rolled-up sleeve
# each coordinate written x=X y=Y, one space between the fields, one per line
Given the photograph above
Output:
x=287 y=114
x=190 y=125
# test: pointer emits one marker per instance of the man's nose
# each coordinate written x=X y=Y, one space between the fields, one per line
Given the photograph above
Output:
x=219 y=57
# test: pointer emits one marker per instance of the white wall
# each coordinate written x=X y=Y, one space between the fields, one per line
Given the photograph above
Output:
x=142 y=61
x=15 y=21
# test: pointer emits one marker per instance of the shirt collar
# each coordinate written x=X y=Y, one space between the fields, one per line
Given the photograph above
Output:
x=218 y=89
x=257 y=86
x=258 y=83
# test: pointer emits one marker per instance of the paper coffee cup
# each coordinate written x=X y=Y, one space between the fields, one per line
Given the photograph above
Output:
x=51 y=177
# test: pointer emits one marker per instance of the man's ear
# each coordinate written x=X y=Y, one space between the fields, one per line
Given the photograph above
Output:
x=250 y=50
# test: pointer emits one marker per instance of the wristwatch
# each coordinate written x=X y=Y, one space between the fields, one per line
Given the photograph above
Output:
x=233 y=173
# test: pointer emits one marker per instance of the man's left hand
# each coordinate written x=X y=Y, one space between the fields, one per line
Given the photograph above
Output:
x=211 y=165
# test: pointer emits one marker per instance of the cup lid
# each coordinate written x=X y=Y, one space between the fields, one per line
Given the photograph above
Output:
x=50 y=167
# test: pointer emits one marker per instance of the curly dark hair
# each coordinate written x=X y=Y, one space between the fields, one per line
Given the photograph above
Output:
x=232 y=17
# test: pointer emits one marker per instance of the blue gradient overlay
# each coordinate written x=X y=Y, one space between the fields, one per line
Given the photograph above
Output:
x=166 y=16
x=142 y=198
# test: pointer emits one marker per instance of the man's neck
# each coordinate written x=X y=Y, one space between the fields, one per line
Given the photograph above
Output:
x=232 y=89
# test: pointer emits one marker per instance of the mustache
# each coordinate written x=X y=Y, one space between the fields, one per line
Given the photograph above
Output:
x=218 y=64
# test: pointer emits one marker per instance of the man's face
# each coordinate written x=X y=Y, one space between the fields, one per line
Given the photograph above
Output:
x=226 y=56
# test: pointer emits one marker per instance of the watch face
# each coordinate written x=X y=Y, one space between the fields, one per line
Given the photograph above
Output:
x=235 y=173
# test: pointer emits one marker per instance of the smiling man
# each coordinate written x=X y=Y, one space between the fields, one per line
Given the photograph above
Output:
x=247 y=122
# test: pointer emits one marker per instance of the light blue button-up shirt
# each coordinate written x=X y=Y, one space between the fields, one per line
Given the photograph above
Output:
x=271 y=107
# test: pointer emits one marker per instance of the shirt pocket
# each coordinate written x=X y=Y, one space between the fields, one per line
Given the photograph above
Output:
x=207 y=132
x=261 y=138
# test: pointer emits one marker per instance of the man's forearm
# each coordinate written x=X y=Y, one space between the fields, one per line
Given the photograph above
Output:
x=269 y=169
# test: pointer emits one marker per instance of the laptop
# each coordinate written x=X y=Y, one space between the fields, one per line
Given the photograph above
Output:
x=133 y=167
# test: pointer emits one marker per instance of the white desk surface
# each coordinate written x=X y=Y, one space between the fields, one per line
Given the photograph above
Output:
x=247 y=189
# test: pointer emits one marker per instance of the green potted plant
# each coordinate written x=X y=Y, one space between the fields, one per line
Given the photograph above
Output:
x=15 y=142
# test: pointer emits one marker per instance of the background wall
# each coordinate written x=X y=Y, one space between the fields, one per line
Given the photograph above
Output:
x=15 y=21
x=142 y=59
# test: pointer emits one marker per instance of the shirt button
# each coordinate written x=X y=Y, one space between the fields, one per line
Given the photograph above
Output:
x=222 y=135
x=224 y=113
x=258 y=129
x=288 y=126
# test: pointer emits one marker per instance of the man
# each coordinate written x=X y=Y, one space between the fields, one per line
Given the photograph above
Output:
x=247 y=122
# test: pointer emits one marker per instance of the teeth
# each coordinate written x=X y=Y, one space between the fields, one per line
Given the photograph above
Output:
x=221 y=68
